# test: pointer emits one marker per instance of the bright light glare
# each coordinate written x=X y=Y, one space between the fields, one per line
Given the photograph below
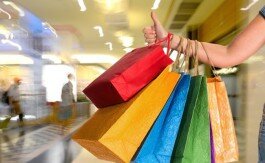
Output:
x=156 y=4
x=6 y=41
x=225 y=71
x=100 y=58
x=2 y=118
x=127 y=41
x=52 y=58
x=127 y=50
x=112 y=6
x=21 y=12
x=14 y=59
x=110 y=45
x=5 y=32
x=249 y=6
x=46 y=25
x=27 y=117
x=9 y=16
x=82 y=5
x=100 y=30
x=54 y=77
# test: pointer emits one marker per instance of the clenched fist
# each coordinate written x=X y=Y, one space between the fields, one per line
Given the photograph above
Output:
x=154 y=32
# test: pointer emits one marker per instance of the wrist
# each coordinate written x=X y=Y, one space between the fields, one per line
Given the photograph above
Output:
x=175 y=42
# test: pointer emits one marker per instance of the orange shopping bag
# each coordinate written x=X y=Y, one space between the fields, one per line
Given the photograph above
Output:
x=115 y=133
x=224 y=136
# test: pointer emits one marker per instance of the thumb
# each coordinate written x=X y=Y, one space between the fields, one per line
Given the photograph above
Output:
x=158 y=27
x=155 y=19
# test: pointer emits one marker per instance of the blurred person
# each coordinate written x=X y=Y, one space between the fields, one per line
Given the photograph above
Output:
x=4 y=100
x=14 y=98
x=67 y=92
x=68 y=99
x=3 y=92
x=2 y=88
x=246 y=44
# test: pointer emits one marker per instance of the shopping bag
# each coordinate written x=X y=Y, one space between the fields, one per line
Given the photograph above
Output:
x=215 y=122
x=128 y=76
x=159 y=144
x=116 y=132
x=193 y=141
x=224 y=136
x=212 y=146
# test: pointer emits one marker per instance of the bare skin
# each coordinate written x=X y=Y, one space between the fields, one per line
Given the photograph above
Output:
x=246 y=44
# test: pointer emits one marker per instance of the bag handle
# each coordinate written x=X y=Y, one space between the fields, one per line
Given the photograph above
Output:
x=179 y=50
x=168 y=39
x=186 y=53
x=212 y=65
x=196 y=59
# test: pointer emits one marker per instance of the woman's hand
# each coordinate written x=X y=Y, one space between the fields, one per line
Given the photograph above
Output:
x=154 y=32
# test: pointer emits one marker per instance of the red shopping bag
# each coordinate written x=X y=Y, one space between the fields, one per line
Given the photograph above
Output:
x=129 y=75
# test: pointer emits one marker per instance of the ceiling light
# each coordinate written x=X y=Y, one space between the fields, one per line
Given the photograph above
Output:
x=9 y=16
x=127 y=50
x=82 y=5
x=6 y=41
x=21 y=12
x=110 y=45
x=52 y=58
x=100 y=30
x=249 y=6
x=46 y=25
x=127 y=41
x=112 y=6
x=99 y=58
x=14 y=59
x=156 y=4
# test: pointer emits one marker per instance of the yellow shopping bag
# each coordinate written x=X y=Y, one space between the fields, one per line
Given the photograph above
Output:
x=114 y=133
x=224 y=136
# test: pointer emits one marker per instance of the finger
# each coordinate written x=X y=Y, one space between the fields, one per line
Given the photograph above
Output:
x=150 y=36
x=149 y=30
x=155 y=19
x=150 y=40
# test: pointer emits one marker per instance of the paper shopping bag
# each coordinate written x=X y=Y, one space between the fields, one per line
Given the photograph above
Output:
x=128 y=76
x=115 y=133
x=224 y=136
x=193 y=141
x=159 y=143
x=215 y=122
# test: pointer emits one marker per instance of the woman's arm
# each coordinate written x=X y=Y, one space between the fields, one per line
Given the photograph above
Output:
x=250 y=40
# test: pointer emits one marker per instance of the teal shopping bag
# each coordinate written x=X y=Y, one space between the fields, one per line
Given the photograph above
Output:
x=193 y=141
x=159 y=143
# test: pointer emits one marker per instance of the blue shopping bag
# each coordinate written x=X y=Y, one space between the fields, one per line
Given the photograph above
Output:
x=159 y=143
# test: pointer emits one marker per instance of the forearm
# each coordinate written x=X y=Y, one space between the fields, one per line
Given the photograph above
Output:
x=242 y=47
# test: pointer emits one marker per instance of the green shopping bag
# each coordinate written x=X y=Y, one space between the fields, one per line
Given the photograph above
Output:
x=193 y=141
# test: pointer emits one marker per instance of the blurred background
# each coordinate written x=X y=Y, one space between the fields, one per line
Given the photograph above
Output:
x=42 y=41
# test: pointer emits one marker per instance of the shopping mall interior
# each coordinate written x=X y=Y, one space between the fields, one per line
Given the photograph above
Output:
x=42 y=41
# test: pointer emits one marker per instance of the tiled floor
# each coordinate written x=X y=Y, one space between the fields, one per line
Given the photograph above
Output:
x=30 y=146
x=52 y=144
